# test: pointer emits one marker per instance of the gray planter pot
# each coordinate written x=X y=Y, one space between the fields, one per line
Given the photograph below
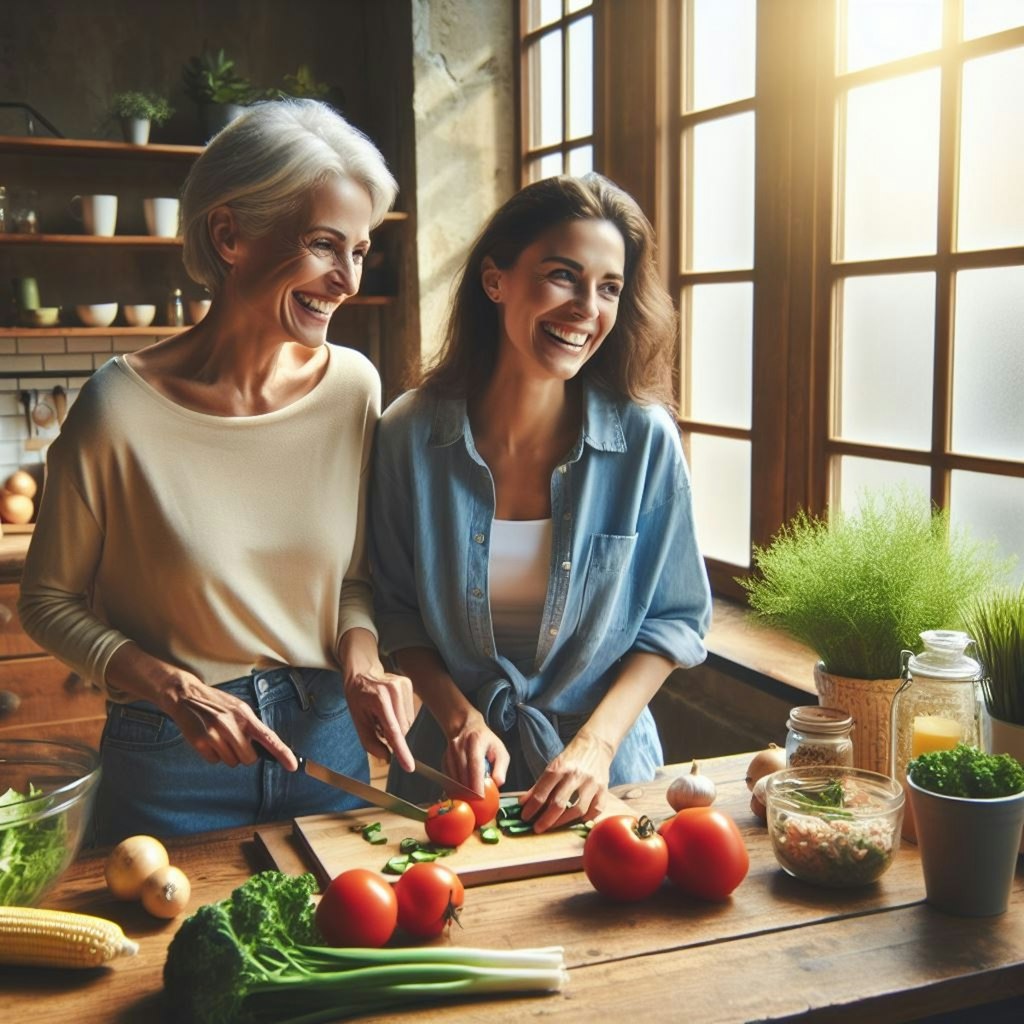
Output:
x=135 y=130
x=215 y=116
x=968 y=850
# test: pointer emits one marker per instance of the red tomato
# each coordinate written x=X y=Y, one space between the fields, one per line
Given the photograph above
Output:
x=450 y=823
x=429 y=899
x=625 y=859
x=485 y=810
x=706 y=854
x=359 y=908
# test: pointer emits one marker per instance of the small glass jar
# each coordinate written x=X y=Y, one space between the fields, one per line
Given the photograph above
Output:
x=818 y=735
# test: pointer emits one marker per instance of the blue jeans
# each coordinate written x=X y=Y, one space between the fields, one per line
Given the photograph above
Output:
x=154 y=782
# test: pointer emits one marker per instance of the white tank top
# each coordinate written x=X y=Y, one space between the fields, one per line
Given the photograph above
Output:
x=520 y=562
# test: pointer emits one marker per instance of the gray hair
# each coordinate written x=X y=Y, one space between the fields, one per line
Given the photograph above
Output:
x=264 y=164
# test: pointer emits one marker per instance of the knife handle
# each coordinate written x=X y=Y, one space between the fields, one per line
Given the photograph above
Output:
x=265 y=755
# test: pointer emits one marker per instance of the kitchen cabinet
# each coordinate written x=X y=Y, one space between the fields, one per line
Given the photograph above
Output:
x=72 y=268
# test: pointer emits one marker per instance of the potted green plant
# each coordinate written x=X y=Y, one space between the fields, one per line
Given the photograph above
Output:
x=996 y=623
x=137 y=111
x=213 y=83
x=969 y=810
x=858 y=589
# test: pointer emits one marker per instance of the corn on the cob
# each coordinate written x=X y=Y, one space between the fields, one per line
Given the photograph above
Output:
x=32 y=937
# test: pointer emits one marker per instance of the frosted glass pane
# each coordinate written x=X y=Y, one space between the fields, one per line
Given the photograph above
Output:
x=576 y=5
x=988 y=363
x=722 y=232
x=581 y=78
x=542 y=12
x=720 y=471
x=718 y=380
x=886 y=355
x=549 y=166
x=581 y=160
x=858 y=475
x=545 y=70
x=891 y=168
x=991 y=213
x=983 y=17
x=724 y=45
x=990 y=508
x=878 y=31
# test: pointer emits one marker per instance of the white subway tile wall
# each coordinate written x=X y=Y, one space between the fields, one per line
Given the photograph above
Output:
x=23 y=441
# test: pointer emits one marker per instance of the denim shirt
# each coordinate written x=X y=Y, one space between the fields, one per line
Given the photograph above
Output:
x=626 y=574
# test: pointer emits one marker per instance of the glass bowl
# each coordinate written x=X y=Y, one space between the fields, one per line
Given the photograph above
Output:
x=832 y=825
x=47 y=790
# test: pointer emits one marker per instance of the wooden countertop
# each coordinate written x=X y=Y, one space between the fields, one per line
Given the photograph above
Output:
x=777 y=949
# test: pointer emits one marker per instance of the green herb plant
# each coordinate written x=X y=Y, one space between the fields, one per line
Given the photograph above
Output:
x=860 y=588
x=257 y=958
x=147 y=106
x=996 y=624
x=211 y=77
x=966 y=771
x=32 y=852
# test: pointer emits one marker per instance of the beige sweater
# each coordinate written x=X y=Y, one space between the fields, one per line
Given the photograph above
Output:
x=220 y=544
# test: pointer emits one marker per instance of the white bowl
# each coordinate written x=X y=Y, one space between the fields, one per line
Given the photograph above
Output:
x=99 y=314
x=197 y=309
x=139 y=316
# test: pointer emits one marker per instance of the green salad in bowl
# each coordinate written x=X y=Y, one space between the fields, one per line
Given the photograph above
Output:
x=47 y=790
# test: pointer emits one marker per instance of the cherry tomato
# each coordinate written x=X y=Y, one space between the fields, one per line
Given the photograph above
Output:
x=706 y=854
x=450 y=823
x=625 y=859
x=485 y=810
x=429 y=899
x=358 y=908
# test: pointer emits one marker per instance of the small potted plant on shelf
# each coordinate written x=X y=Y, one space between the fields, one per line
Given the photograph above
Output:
x=996 y=623
x=860 y=588
x=969 y=810
x=137 y=111
x=212 y=81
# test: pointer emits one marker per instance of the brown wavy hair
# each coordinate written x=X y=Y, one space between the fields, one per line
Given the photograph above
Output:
x=636 y=359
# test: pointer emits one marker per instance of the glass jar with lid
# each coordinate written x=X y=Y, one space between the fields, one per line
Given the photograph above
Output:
x=936 y=706
x=818 y=735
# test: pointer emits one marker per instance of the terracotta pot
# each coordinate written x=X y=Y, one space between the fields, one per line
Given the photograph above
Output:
x=968 y=850
x=869 y=701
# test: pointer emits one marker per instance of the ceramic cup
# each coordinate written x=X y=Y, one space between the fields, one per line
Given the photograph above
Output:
x=98 y=214
x=161 y=216
x=197 y=309
x=139 y=315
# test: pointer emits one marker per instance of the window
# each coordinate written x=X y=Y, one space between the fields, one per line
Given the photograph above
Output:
x=838 y=189
x=557 y=69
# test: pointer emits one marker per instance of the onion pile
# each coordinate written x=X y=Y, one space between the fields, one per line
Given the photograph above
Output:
x=138 y=868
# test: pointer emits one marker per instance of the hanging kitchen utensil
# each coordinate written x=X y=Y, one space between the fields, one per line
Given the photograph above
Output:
x=60 y=403
x=34 y=443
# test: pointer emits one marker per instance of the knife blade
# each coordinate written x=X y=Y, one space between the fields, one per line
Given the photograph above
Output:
x=451 y=787
x=371 y=794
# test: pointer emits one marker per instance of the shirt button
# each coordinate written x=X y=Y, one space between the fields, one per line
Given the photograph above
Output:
x=477 y=592
x=552 y=631
x=479 y=538
x=563 y=470
x=566 y=566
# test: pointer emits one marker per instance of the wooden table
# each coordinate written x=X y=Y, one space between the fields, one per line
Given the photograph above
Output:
x=778 y=949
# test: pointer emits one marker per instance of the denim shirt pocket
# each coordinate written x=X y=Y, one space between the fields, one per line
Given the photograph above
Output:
x=604 y=607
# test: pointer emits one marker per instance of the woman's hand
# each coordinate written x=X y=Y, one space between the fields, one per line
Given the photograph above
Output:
x=380 y=702
x=573 y=786
x=471 y=749
x=219 y=725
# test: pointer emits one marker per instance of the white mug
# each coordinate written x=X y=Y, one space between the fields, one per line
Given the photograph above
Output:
x=98 y=214
x=161 y=216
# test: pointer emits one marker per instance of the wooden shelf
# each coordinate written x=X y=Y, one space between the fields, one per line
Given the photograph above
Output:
x=127 y=241
x=94 y=147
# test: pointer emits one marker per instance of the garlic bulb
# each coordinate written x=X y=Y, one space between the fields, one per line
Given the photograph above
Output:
x=693 y=790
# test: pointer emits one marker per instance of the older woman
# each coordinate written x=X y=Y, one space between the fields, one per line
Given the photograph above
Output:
x=535 y=565
x=199 y=552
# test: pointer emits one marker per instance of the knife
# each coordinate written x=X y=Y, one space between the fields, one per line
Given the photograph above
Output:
x=451 y=787
x=378 y=797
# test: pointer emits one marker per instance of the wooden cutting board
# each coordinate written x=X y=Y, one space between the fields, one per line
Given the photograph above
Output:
x=333 y=843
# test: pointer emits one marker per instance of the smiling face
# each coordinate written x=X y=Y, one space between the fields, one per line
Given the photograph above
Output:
x=560 y=298
x=291 y=280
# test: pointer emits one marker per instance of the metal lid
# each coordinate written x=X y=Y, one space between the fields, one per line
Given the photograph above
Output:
x=943 y=656
x=812 y=718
